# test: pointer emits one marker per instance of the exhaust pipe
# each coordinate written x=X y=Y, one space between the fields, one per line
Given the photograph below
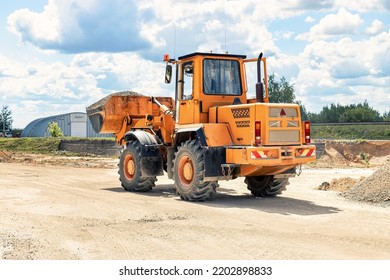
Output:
x=259 y=84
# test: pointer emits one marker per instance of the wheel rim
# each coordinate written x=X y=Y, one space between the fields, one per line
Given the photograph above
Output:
x=186 y=171
x=129 y=167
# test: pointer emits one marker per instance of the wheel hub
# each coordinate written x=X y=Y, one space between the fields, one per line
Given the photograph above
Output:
x=129 y=167
x=188 y=171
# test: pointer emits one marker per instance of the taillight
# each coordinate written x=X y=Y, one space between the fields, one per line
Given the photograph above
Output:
x=257 y=133
x=306 y=125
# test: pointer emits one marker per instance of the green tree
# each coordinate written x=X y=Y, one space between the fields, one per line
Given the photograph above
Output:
x=386 y=116
x=5 y=118
x=332 y=114
x=55 y=130
x=280 y=91
x=361 y=112
x=313 y=117
x=283 y=92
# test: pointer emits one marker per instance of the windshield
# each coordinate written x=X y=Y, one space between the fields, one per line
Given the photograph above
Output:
x=221 y=77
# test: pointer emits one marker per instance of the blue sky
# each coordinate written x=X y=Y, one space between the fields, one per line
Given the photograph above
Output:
x=61 y=56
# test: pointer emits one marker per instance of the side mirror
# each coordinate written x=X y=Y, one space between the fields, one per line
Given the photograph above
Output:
x=168 y=74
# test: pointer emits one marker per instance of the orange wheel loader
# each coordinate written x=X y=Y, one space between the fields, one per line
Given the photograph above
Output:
x=210 y=131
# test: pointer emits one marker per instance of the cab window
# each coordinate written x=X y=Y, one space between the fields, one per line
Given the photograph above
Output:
x=221 y=77
x=186 y=81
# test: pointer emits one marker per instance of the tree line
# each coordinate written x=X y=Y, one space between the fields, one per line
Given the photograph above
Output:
x=283 y=92
x=336 y=113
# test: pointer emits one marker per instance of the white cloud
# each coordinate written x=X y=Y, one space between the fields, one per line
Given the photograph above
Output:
x=49 y=89
x=375 y=27
x=342 y=23
x=346 y=71
x=379 y=51
x=312 y=5
x=350 y=69
x=80 y=26
x=212 y=26
x=202 y=24
x=284 y=65
x=361 y=6
x=34 y=26
x=125 y=71
x=287 y=35
x=118 y=25
x=386 y=4
x=39 y=79
x=310 y=19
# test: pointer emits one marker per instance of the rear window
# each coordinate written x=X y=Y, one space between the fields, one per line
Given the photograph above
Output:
x=221 y=77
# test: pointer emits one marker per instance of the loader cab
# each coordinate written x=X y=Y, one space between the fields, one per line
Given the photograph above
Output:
x=205 y=80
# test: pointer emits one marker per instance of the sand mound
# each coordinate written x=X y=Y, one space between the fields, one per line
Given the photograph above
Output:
x=339 y=185
x=374 y=189
x=354 y=153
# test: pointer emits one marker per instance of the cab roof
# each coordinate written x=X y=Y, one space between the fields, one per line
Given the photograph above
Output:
x=212 y=54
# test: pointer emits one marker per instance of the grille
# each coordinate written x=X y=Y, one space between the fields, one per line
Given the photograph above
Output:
x=242 y=124
x=284 y=136
x=240 y=113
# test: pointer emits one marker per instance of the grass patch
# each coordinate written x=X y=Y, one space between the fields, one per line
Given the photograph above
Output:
x=363 y=132
x=50 y=145
x=31 y=145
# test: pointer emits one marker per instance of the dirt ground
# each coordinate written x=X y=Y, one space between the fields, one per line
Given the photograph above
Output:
x=75 y=208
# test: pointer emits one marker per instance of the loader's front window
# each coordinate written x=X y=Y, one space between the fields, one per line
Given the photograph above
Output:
x=221 y=77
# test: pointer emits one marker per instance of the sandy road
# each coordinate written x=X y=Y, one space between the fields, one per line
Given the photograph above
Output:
x=59 y=212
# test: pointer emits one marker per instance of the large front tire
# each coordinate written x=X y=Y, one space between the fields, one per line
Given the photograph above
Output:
x=188 y=170
x=266 y=186
x=130 y=170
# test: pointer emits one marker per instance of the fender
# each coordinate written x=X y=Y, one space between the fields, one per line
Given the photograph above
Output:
x=215 y=157
x=183 y=134
x=143 y=137
x=151 y=158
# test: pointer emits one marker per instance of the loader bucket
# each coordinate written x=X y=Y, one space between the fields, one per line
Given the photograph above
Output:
x=107 y=114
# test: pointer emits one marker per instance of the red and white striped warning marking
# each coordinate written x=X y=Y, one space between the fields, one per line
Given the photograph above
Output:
x=259 y=154
x=306 y=152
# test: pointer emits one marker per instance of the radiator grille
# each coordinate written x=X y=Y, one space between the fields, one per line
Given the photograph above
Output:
x=290 y=136
x=242 y=124
x=240 y=113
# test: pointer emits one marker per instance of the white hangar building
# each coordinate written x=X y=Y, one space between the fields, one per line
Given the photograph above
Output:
x=72 y=124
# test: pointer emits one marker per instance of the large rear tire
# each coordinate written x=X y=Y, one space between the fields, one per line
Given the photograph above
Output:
x=266 y=186
x=130 y=170
x=188 y=170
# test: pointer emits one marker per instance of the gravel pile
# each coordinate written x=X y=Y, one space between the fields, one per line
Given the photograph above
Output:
x=374 y=189
x=99 y=104
x=339 y=185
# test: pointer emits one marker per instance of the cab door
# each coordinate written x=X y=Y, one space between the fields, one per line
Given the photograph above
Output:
x=186 y=93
